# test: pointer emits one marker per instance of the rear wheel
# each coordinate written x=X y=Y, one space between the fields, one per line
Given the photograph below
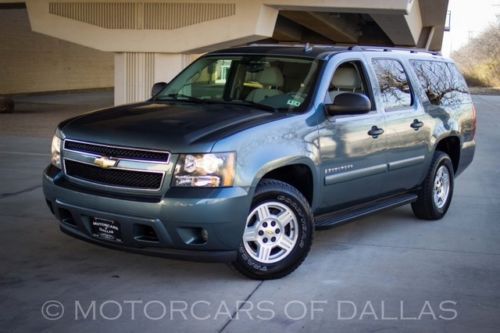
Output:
x=437 y=189
x=278 y=232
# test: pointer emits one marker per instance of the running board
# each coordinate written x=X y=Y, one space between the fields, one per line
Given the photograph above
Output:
x=330 y=219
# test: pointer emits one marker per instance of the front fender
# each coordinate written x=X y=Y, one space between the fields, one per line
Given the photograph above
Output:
x=286 y=161
x=267 y=147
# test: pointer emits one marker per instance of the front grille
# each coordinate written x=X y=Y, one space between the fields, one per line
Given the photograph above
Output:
x=113 y=177
x=117 y=152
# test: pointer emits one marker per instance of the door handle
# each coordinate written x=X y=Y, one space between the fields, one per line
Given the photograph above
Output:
x=416 y=124
x=375 y=132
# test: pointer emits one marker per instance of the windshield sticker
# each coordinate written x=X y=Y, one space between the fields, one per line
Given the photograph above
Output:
x=293 y=102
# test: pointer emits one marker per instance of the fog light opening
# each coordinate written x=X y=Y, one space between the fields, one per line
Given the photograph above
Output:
x=193 y=236
x=145 y=233
x=66 y=217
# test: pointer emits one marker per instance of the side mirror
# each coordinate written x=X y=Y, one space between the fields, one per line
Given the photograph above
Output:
x=349 y=103
x=157 y=87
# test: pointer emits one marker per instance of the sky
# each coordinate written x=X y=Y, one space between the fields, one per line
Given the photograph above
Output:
x=468 y=18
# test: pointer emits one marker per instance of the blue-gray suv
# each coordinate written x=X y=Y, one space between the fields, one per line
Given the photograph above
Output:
x=250 y=149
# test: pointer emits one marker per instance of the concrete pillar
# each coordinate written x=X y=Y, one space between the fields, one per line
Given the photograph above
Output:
x=136 y=72
x=402 y=30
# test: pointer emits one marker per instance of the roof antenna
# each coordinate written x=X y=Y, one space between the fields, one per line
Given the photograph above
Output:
x=308 y=48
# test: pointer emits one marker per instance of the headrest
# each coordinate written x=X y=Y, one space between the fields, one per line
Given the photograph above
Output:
x=346 y=78
x=270 y=76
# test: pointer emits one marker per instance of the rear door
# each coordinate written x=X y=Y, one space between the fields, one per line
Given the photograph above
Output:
x=407 y=126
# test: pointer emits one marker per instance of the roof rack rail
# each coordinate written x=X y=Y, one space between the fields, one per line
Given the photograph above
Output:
x=281 y=44
x=309 y=47
x=391 y=48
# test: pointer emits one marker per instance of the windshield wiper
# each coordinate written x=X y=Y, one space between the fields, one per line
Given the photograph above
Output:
x=253 y=104
x=177 y=97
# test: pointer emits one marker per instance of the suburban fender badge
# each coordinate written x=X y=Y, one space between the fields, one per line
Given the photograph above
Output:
x=105 y=163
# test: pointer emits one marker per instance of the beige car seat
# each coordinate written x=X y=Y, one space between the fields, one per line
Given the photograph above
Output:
x=345 y=79
x=272 y=80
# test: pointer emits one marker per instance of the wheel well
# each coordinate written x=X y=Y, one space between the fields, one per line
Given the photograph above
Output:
x=297 y=175
x=451 y=146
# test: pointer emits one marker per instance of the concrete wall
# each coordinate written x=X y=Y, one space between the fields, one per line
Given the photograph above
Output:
x=32 y=62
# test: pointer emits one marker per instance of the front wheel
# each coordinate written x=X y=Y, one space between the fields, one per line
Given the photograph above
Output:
x=278 y=232
x=435 y=195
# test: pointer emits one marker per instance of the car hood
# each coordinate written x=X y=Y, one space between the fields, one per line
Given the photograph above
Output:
x=180 y=127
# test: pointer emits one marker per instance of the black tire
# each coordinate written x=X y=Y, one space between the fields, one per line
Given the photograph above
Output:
x=425 y=207
x=6 y=105
x=269 y=191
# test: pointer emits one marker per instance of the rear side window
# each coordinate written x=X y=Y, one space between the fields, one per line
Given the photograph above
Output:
x=442 y=82
x=393 y=83
x=461 y=93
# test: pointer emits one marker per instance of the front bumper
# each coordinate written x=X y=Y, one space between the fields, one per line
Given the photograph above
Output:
x=173 y=222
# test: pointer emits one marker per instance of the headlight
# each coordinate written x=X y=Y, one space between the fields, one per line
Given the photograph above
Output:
x=205 y=170
x=55 y=150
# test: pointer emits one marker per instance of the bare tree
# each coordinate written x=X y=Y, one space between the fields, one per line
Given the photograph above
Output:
x=479 y=60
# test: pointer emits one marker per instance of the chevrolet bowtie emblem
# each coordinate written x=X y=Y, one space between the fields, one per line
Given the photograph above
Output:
x=105 y=163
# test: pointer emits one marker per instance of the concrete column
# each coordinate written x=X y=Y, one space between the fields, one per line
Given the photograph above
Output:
x=136 y=72
x=402 y=30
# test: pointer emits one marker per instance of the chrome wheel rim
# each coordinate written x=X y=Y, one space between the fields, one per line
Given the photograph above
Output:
x=441 y=189
x=271 y=232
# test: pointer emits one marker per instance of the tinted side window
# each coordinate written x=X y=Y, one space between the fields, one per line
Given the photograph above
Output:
x=441 y=82
x=393 y=82
x=460 y=94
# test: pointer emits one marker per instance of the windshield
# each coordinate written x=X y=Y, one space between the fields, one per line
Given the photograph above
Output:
x=266 y=82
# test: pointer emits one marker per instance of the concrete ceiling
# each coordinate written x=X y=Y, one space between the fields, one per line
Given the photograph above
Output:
x=152 y=27
x=422 y=25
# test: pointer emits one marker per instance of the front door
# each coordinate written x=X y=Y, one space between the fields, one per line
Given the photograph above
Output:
x=352 y=147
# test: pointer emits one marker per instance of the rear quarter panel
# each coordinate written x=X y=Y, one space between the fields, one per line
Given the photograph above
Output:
x=454 y=120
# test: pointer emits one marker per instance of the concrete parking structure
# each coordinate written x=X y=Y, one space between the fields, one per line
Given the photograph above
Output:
x=152 y=40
